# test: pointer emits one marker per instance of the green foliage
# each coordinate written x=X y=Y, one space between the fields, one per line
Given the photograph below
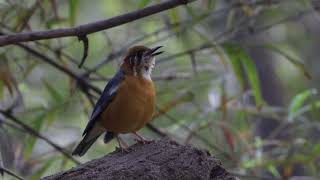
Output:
x=300 y=66
x=73 y=11
x=298 y=101
x=202 y=86
x=243 y=65
x=143 y=3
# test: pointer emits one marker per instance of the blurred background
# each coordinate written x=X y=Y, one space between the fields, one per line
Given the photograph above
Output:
x=239 y=78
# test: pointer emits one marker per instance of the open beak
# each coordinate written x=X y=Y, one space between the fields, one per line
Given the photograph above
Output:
x=153 y=52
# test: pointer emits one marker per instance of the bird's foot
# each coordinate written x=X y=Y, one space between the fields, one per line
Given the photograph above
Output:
x=142 y=140
x=145 y=141
x=123 y=146
x=122 y=149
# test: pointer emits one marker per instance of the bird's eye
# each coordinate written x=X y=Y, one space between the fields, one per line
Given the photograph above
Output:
x=146 y=68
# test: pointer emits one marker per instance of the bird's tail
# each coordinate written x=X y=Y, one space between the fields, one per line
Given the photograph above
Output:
x=87 y=141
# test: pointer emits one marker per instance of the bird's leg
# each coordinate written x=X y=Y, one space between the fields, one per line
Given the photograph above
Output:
x=122 y=145
x=141 y=139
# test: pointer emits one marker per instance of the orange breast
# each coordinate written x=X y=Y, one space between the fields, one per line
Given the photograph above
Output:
x=132 y=107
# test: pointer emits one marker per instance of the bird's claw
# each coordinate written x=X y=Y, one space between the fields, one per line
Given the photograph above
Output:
x=143 y=141
x=122 y=149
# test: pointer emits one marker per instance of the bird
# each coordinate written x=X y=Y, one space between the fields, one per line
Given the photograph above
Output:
x=127 y=102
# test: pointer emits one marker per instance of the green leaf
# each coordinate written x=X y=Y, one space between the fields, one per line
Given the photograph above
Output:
x=300 y=66
x=240 y=61
x=273 y=170
x=298 y=101
x=211 y=4
x=236 y=65
x=316 y=149
x=241 y=121
x=251 y=163
x=313 y=106
x=252 y=73
x=53 y=92
x=143 y=3
x=51 y=116
x=174 y=16
x=73 y=9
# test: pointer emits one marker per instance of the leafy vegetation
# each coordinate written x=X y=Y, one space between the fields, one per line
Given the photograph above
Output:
x=239 y=78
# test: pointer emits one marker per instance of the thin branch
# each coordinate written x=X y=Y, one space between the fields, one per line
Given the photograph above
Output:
x=35 y=133
x=224 y=33
x=2 y=169
x=12 y=125
x=67 y=56
x=85 y=41
x=170 y=77
x=118 y=53
x=84 y=84
x=204 y=140
x=156 y=130
x=184 y=53
x=185 y=27
x=91 y=27
x=81 y=81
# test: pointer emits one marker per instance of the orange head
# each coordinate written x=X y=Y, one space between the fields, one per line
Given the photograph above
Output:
x=140 y=60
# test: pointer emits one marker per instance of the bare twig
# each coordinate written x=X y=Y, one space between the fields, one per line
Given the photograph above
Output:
x=48 y=60
x=169 y=77
x=216 y=38
x=187 y=24
x=85 y=41
x=2 y=169
x=204 y=140
x=38 y=135
x=183 y=53
x=24 y=22
x=84 y=84
x=91 y=27
x=118 y=53
x=12 y=125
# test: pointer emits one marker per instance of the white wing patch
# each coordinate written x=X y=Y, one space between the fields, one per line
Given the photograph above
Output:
x=113 y=90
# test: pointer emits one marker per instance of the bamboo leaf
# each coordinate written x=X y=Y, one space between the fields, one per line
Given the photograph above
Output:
x=50 y=117
x=313 y=106
x=236 y=65
x=298 y=101
x=243 y=64
x=252 y=73
x=53 y=92
x=143 y=3
x=174 y=16
x=273 y=170
x=316 y=149
x=73 y=10
x=300 y=66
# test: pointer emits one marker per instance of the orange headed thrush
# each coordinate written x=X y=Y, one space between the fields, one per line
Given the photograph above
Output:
x=127 y=102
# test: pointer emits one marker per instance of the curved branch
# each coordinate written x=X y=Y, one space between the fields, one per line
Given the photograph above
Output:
x=37 y=134
x=91 y=27
x=2 y=169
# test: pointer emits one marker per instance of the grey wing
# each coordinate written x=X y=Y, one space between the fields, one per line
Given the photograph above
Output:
x=108 y=94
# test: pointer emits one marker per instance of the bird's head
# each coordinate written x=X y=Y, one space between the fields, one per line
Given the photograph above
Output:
x=140 y=60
